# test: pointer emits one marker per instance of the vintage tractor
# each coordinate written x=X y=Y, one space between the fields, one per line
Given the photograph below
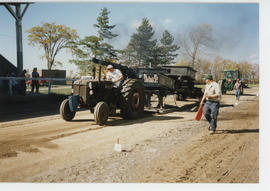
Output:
x=229 y=80
x=102 y=98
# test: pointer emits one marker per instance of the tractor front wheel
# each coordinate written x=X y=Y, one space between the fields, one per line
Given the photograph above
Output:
x=101 y=113
x=65 y=111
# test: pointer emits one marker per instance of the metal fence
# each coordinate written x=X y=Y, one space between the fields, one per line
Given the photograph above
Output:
x=11 y=81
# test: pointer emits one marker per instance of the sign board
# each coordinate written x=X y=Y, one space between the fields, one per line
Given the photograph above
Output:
x=54 y=74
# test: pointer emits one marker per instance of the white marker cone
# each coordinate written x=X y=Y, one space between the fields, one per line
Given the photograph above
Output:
x=117 y=146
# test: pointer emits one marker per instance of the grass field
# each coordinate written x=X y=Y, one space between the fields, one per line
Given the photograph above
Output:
x=249 y=85
x=253 y=85
x=199 y=86
x=64 y=90
x=58 y=91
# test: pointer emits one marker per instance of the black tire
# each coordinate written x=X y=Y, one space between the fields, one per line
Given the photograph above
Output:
x=241 y=90
x=92 y=110
x=199 y=93
x=181 y=97
x=133 y=94
x=65 y=112
x=222 y=87
x=101 y=113
x=178 y=97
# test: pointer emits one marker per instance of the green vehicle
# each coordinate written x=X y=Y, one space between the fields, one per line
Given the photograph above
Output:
x=229 y=80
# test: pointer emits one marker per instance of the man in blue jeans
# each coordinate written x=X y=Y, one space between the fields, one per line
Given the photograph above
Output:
x=212 y=95
x=237 y=87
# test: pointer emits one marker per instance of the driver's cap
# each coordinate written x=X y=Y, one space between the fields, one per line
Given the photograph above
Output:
x=109 y=67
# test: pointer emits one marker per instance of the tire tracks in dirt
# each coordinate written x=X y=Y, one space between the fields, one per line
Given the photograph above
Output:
x=219 y=157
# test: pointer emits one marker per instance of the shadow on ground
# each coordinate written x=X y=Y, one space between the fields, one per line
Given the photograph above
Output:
x=29 y=106
x=248 y=95
x=226 y=105
x=37 y=105
x=145 y=117
x=237 y=131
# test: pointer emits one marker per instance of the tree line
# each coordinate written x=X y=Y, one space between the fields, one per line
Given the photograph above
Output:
x=249 y=72
x=142 y=50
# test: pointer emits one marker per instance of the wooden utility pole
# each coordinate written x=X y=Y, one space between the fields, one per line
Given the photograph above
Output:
x=18 y=15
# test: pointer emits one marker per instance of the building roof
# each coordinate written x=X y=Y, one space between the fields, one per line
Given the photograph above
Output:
x=6 y=67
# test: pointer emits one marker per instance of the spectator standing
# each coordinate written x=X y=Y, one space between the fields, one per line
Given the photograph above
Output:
x=237 y=88
x=15 y=84
x=35 y=83
x=23 y=84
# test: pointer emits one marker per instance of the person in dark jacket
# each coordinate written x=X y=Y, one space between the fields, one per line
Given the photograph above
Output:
x=23 y=84
x=35 y=83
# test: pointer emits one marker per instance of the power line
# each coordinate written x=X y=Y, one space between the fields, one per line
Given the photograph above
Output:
x=10 y=36
x=6 y=35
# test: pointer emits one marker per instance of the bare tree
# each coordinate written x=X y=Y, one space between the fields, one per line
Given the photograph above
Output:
x=52 y=38
x=255 y=73
x=204 y=66
x=198 y=40
x=217 y=67
x=246 y=70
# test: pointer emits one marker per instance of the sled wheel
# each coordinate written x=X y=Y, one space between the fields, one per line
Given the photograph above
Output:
x=241 y=90
x=181 y=97
x=222 y=86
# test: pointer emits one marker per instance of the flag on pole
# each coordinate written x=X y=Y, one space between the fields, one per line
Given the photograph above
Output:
x=199 y=113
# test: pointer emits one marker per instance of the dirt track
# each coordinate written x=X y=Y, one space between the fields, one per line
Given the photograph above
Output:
x=170 y=147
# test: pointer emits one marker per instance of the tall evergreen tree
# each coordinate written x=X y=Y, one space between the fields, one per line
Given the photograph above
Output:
x=95 y=46
x=167 y=49
x=127 y=56
x=142 y=45
x=105 y=34
x=83 y=51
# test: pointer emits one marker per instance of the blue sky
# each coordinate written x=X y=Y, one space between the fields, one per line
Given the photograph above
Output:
x=235 y=26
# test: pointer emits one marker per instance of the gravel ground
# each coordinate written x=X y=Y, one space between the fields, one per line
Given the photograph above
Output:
x=157 y=148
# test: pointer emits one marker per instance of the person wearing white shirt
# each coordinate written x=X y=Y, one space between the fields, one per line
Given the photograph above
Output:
x=212 y=95
x=115 y=75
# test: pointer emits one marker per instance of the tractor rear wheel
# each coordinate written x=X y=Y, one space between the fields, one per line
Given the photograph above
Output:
x=133 y=94
x=65 y=112
x=101 y=113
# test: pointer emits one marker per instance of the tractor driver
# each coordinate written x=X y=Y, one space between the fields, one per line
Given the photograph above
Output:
x=116 y=76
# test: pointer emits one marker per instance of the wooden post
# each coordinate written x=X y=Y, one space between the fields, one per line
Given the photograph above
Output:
x=49 y=87
x=10 y=86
